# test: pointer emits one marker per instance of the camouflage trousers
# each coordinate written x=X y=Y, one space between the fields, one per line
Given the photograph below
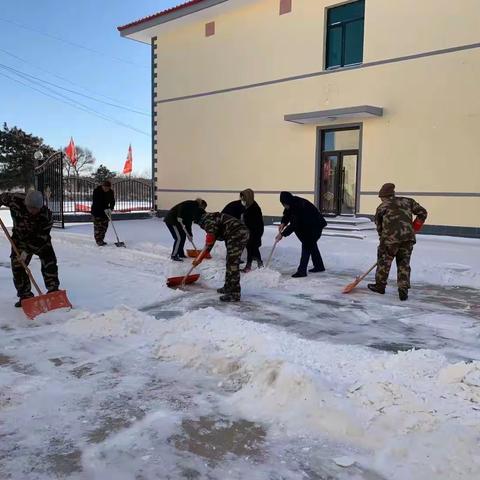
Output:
x=385 y=255
x=235 y=246
x=100 y=226
x=49 y=269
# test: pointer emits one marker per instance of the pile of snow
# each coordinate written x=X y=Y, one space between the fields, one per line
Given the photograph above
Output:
x=121 y=322
x=401 y=407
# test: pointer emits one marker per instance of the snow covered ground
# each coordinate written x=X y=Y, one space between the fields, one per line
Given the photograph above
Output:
x=298 y=381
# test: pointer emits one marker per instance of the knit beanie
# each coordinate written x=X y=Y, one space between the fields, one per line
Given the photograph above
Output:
x=387 y=190
x=34 y=199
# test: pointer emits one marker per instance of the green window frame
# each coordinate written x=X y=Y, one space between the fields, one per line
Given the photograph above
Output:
x=345 y=35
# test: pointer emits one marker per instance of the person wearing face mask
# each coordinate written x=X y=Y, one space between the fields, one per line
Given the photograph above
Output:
x=253 y=219
x=32 y=222
x=303 y=218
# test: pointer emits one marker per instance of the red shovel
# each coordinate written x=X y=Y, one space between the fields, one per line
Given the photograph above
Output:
x=195 y=253
x=42 y=303
x=181 y=281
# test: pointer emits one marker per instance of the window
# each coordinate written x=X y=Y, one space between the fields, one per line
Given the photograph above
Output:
x=345 y=25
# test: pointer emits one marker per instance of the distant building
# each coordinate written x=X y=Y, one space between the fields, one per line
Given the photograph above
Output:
x=328 y=100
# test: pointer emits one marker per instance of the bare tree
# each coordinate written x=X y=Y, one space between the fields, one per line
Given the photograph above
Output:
x=85 y=162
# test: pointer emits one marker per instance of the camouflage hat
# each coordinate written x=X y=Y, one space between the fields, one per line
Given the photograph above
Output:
x=34 y=199
x=387 y=190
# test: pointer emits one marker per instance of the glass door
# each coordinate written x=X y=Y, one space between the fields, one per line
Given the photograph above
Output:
x=338 y=195
x=330 y=181
x=348 y=184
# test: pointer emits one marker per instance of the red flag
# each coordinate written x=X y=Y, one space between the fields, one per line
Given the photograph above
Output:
x=71 y=152
x=127 y=168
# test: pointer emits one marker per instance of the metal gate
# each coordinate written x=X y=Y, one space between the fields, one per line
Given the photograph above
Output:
x=49 y=180
x=72 y=195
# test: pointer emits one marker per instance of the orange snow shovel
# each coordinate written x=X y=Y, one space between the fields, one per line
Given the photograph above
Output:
x=42 y=303
x=182 y=281
x=195 y=252
x=352 y=285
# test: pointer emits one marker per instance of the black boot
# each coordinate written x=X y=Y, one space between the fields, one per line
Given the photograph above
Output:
x=19 y=303
x=316 y=270
x=299 y=275
x=176 y=258
x=230 y=297
x=403 y=294
x=221 y=290
x=376 y=288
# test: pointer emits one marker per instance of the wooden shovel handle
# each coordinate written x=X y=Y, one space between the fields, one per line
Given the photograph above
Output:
x=366 y=273
x=19 y=257
x=271 y=254
x=184 y=279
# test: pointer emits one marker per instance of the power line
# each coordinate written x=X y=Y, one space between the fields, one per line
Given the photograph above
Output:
x=75 y=104
x=25 y=75
x=60 y=77
x=68 y=42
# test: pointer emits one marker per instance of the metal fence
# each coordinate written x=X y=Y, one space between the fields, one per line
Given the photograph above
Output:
x=131 y=195
x=72 y=195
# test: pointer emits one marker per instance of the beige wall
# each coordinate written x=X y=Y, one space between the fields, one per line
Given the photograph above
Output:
x=426 y=141
x=256 y=44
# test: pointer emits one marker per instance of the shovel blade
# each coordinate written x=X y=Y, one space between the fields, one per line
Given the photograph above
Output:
x=352 y=285
x=195 y=253
x=178 y=281
x=120 y=244
x=35 y=306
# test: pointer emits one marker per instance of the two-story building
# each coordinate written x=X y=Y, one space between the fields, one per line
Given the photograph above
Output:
x=327 y=100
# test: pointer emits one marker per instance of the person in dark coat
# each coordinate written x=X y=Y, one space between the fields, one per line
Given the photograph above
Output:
x=235 y=209
x=253 y=219
x=179 y=221
x=303 y=218
x=103 y=202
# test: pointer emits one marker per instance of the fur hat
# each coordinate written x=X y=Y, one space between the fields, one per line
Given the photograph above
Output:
x=248 y=196
x=34 y=199
x=387 y=190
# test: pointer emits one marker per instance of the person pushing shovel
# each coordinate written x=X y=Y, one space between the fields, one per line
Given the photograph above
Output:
x=32 y=222
x=223 y=227
x=396 y=231
x=179 y=221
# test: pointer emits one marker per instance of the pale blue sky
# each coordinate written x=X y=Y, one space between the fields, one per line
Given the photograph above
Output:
x=121 y=72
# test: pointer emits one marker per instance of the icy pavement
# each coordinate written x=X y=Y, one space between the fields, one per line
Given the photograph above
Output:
x=298 y=381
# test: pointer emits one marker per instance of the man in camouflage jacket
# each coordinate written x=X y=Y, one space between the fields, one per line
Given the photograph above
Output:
x=32 y=222
x=223 y=227
x=397 y=237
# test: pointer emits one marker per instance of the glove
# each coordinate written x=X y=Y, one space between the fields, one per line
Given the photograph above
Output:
x=281 y=227
x=279 y=237
x=417 y=225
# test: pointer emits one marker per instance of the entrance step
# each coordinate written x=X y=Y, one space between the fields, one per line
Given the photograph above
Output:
x=349 y=224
